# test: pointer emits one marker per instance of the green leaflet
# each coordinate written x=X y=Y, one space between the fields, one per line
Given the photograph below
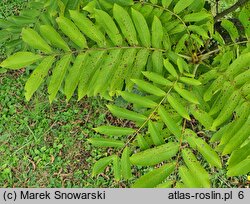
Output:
x=148 y=87
x=114 y=131
x=53 y=37
x=33 y=39
x=101 y=164
x=170 y=123
x=227 y=110
x=199 y=30
x=37 y=76
x=157 y=33
x=208 y=76
x=178 y=106
x=117 y=168
x=241 y=62
x=139 y=64
x=139 y=100
x=186 y=94
x=167 y=184
x=155 y=134
x=181 y=5
x=222 y=99
x=126 y=114
x=190 y=81
x=157 y=78
x=143 y=144
x=157 y=60
x=236 y=124
x=207 y=152
x=213 y=88
x=126 y=25
x=230 y=28
x=88 y=27
x=197 y=5
x=242 y=134
x=109 y=26
x=244 y=19
x=170 y=68
x=181 y=43
x=102 y=142
x=188 y=178
x=242 y=78
x=141 y=27
x=182 y=65
x=196 y=169
x=150 y=157
x=197 y=40
x=20 y=60
x=155 y=177
x=89 y=69
x=58 y=75
x=195 y=17
x=166 y=3
x=202 y=116
x=72 y=79
x=239 y=155
x=123 y=70
x=125 y=164
x=217 y=135
x=239 y=169
x=70 y=30
x=107 y=70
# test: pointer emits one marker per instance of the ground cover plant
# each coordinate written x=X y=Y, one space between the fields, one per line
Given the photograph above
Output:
x=181 y=71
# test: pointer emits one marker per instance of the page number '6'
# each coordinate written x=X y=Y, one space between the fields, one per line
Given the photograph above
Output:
x=241 y=195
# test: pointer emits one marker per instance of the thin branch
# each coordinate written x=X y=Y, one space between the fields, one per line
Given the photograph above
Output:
x=230 y=9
